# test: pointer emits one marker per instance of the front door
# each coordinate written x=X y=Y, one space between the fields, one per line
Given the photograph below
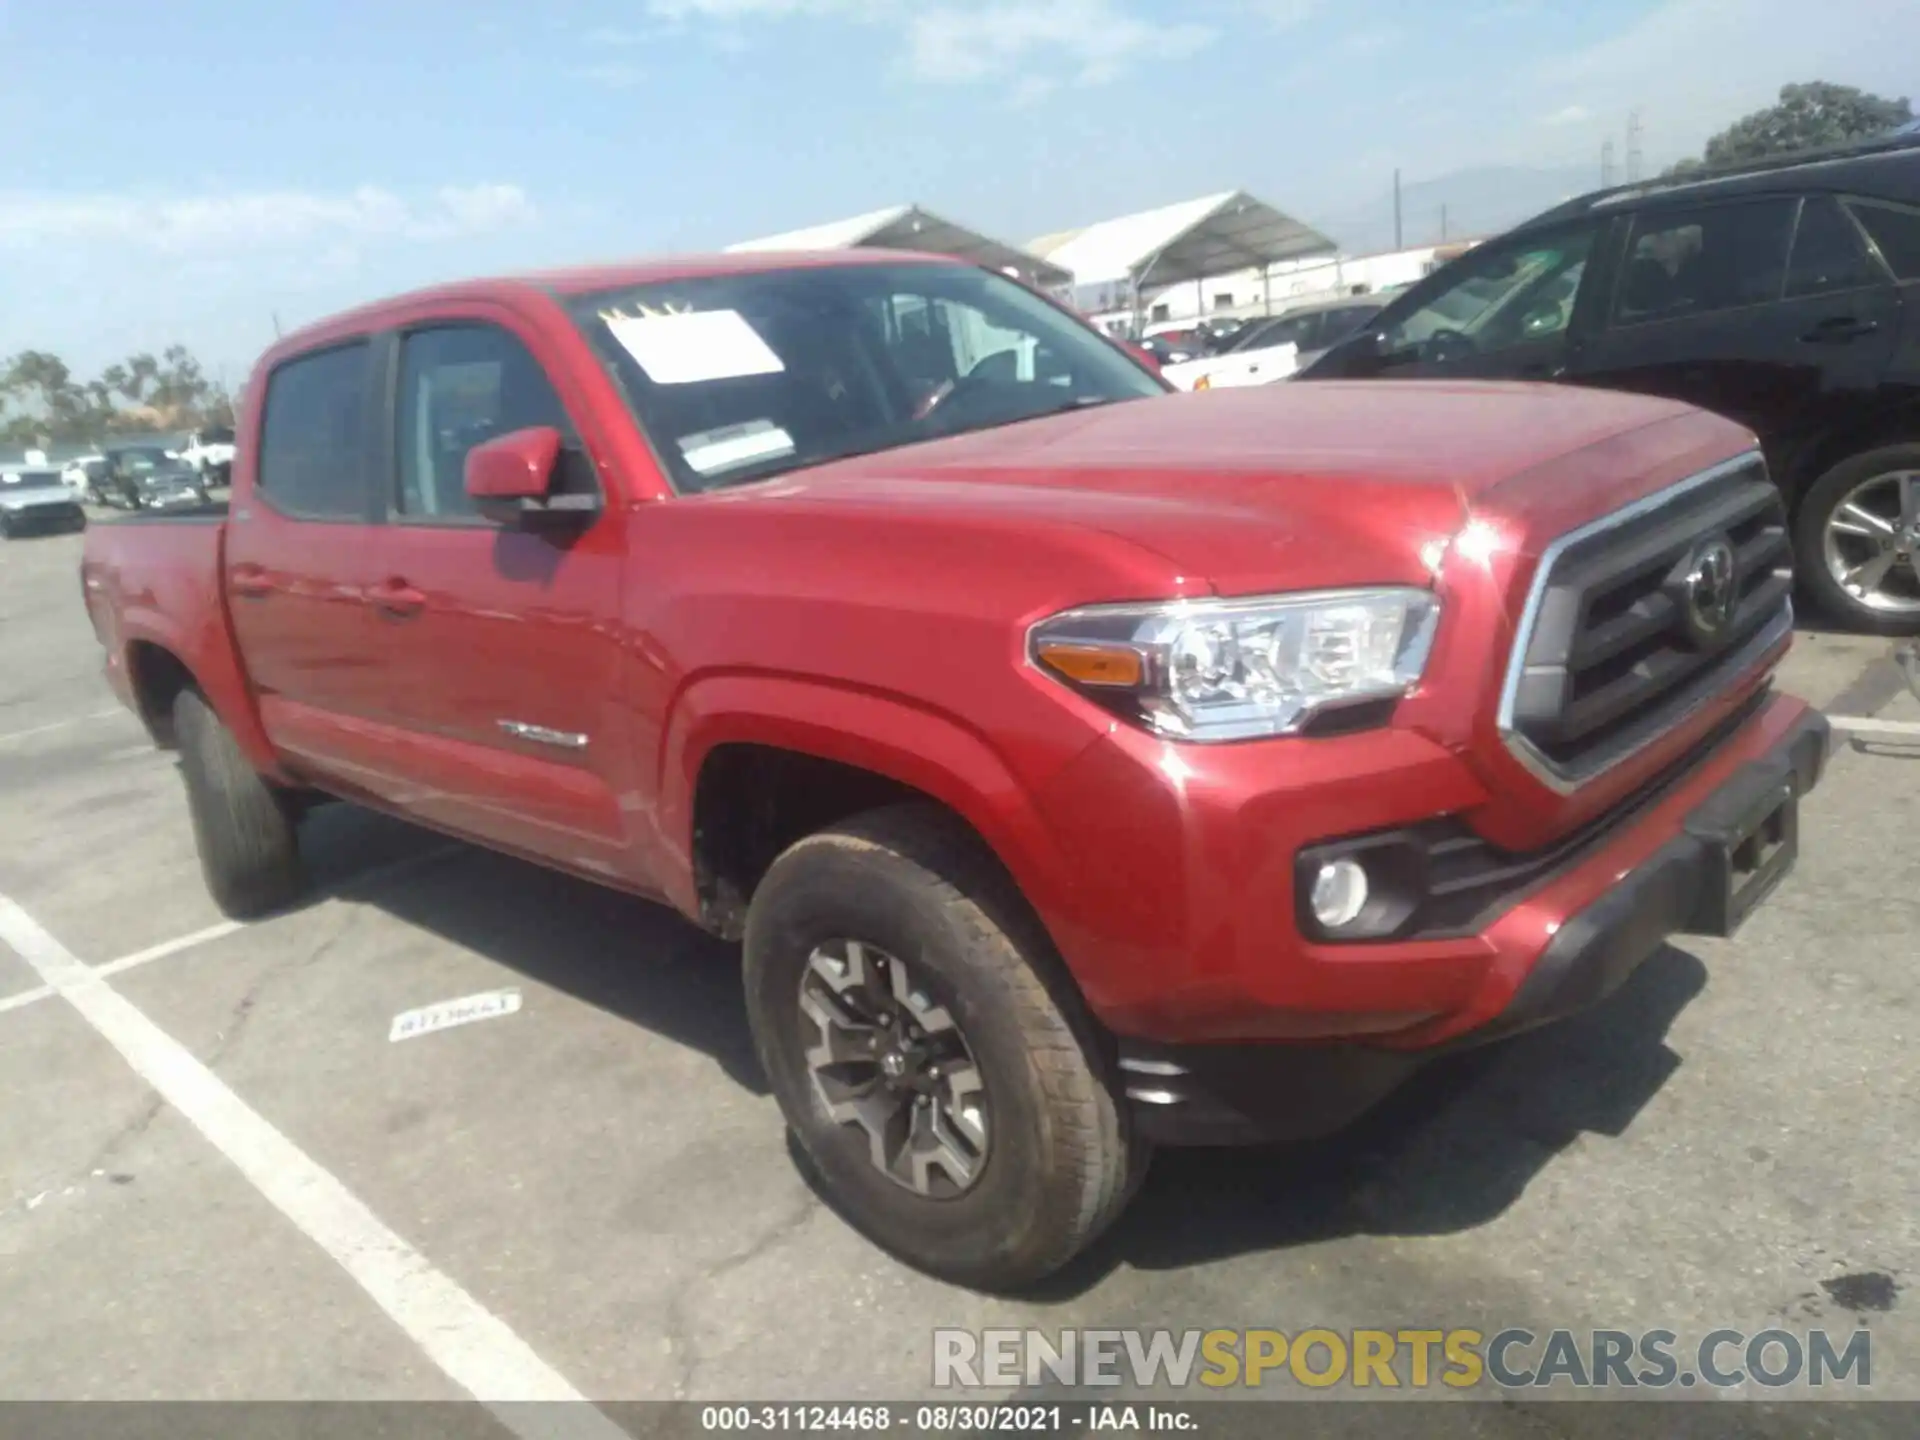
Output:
x=1769 y=311
x=502 y=645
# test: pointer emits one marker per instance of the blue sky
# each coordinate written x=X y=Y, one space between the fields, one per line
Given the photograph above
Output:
x=187 y=169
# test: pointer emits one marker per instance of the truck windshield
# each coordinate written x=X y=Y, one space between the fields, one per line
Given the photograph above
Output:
x=31 y=479
x=740 y=377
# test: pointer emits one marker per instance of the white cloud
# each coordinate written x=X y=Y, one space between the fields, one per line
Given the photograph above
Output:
x=1567 y=115
x=1036 y=45
x=1091 y=40
x=248 y=221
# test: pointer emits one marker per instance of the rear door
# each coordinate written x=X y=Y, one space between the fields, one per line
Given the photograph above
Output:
x=298 y=558
x=1767 y=310
x=502 y=644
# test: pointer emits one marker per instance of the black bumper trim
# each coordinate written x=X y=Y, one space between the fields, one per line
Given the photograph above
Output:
x=1228 y=1094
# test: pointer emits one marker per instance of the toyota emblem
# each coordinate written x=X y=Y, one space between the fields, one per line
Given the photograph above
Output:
x=1709 y=587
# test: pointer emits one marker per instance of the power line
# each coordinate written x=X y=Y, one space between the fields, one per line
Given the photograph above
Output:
x=1633 y=146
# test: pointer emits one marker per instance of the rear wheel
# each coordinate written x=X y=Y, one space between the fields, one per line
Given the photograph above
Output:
x=248 y=841
x=1858 y=541
x=956 y=1106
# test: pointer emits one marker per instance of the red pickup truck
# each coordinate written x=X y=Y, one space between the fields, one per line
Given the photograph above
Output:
x=1083 y=765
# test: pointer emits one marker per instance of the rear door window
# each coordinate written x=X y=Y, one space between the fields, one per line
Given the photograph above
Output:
x=1696 y=261
x=313 y=439
x=1828 y=253
x=1896 y=234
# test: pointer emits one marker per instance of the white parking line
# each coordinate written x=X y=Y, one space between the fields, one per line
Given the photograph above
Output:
x=25 y=997
x=221 y=929
x=471 y=1345
x=64 y=724
x=170 y=947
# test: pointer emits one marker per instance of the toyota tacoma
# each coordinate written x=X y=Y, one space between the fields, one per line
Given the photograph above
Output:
x=1083 y=766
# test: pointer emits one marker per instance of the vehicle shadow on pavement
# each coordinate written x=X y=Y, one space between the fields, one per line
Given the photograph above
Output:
x=633 y=959
x=1450 y=1151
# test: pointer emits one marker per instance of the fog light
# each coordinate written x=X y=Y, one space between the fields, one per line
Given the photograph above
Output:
x=1339 y=893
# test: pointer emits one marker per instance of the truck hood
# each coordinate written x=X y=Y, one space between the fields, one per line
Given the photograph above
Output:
x=1304 y=485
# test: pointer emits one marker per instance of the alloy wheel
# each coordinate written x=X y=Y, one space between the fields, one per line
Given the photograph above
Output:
x=1871 y=543
x=887 y=1058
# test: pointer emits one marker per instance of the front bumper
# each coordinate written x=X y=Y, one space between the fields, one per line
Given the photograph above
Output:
x=1722 y=840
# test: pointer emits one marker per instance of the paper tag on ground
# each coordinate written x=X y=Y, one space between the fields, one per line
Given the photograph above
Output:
x=448 y=1013
x=686 y=349
x=712 y=451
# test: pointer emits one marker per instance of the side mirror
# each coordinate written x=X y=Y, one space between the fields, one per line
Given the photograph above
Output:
x=510 y=478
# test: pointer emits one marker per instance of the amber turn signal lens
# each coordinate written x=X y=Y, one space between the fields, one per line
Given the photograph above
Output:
x=1203 y=383
x=1114 y=665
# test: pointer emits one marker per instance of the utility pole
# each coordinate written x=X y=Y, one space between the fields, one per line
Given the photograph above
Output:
x=1606 y=164
x=1397 y=241
x=277 y=332
x=1633 y=146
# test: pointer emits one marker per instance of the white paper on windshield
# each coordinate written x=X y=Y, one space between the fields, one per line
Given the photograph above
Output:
x=712 y=451
x=700 y=345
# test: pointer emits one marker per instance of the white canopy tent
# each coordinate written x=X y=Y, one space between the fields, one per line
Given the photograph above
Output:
x=1176 y=244
x=908 y=227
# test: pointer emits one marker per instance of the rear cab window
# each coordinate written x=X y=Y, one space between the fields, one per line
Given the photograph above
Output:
x=313 y=436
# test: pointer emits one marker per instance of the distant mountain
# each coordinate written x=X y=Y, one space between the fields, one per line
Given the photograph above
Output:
x=1480 y=201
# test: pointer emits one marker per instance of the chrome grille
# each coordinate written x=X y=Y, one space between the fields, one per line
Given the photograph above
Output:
x=1636 y=620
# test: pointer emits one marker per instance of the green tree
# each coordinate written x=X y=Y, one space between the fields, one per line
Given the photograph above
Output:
x=43 y=403
x=1807 y=117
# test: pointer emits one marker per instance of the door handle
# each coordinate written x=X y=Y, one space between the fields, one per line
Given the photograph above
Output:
x=250 y=582
x=1839 y=329
x=396 y=600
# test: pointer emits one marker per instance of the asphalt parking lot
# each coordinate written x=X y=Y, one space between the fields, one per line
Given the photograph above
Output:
x=1728 y=1142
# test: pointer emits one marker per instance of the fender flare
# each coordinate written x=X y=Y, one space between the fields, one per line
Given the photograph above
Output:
x=208 y=657
x=923 y=749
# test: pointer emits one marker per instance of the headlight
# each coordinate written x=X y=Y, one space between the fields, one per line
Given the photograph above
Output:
x=1236 y=669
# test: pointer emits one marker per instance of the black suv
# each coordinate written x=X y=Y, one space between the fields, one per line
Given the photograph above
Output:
x=1785 y=296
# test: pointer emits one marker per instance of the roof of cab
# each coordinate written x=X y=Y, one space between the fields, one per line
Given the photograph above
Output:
x=587 y=280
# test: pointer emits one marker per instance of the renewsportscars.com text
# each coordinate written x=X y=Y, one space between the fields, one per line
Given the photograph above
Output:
x=1458 y=1359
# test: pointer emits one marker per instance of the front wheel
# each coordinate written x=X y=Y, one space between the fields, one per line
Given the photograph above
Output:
x=955 y=1105
x=1857 y=541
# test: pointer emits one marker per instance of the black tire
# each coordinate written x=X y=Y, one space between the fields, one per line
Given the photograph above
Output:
x=249 y=844
x=1816 y=507
x=1062 y=1161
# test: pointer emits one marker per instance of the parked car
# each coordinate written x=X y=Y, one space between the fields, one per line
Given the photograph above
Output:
x=1274 y=348
x=1083 y=766
x=37 y=499
x=1785 y=295
x=209 y=454
x=148 y=477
